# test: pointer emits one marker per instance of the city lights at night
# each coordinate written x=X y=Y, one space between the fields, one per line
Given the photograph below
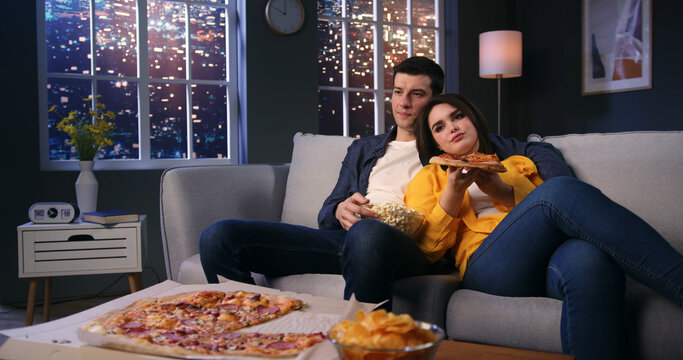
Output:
x=350 y=35
x=116 y=61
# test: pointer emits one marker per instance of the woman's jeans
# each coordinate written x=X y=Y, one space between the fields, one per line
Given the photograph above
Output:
x=568 y=241
x=370 y=256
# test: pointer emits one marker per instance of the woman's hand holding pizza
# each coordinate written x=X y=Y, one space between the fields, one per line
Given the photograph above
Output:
x=459 y=179
x=492 y=185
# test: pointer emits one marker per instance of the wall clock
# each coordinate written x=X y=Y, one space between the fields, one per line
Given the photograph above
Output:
x=285 y=16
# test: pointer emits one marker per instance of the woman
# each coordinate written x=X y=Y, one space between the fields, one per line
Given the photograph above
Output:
x=512 y=235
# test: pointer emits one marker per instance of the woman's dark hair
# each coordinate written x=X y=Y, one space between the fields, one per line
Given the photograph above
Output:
x=426 y=145
x=420 y=65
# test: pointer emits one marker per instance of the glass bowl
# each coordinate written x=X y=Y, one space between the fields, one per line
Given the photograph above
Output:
x=407 y=219
x=425 y=351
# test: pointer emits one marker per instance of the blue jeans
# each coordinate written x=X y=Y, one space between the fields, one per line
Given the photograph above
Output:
x=568 y=241
x=370 y=256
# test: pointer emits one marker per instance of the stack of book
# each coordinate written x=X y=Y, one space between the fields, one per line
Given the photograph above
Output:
x=110 y=216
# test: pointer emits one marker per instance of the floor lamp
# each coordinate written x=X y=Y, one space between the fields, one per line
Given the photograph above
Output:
x=500 y=56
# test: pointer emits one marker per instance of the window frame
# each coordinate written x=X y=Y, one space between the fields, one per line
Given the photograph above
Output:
x=382 y=96
x=144 y=162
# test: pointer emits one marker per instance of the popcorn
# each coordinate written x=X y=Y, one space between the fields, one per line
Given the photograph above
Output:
x=398 y=215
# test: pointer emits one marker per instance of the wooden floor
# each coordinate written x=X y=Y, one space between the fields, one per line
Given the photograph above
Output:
x=15 y=316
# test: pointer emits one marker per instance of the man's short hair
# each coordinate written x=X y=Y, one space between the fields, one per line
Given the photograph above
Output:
x=420 y=65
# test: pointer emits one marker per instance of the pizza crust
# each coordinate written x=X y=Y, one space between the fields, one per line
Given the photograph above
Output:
x=126 y=344
x=488 y=166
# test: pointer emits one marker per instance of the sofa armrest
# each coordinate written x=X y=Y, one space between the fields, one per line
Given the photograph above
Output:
x=194 y=197
x=425 y=298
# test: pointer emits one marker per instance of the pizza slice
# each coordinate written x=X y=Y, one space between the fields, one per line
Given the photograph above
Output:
x=487 y=162
x=202 y=323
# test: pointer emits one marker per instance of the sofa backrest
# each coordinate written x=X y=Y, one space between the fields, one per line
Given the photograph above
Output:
x=313 y=172
x=641 y=170
x=194 y=197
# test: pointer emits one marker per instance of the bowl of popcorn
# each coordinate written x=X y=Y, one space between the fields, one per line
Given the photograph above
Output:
x=382 y=335
x=407 y=219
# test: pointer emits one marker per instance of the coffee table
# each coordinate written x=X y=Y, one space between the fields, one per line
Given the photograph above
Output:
x=454 y=350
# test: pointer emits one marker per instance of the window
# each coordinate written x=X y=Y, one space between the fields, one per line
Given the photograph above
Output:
x=163 y=67
x=359 y=42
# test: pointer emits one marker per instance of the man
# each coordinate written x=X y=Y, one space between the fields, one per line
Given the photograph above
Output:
x=370 y=254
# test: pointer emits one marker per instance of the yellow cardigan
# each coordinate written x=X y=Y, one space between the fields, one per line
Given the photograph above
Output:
x=462 y=235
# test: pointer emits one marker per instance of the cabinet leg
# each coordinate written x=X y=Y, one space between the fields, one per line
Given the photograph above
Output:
x=30 y=306
x=48 y=298
x=132 y=283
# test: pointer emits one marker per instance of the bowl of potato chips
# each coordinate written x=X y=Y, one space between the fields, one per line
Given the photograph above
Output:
x=382 y=335
x=407 y=219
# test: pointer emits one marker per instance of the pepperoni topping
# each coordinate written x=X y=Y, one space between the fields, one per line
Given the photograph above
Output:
x=230 y=335
x=173 y=337
x=281 y=345
x=189 y=342
x=131 y=325
x=231 y=307
x=135 y=331
x=268 y=309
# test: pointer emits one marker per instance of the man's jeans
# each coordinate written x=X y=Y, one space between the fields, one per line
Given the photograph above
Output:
x=371 y=255
x=568 y=241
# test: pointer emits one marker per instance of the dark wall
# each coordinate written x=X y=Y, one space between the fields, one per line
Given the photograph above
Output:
x=282 y=99
x=547 y=98
x=282 y=89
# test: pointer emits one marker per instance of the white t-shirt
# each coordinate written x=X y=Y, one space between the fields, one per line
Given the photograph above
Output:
x=392 y=172
x=481 y=203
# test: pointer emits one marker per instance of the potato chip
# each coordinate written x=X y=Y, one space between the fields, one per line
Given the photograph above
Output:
x=381 y=330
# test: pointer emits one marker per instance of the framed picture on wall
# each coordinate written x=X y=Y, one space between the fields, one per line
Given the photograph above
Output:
x=616 y=46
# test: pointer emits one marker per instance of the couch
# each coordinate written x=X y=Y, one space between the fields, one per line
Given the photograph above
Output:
x=641 y=170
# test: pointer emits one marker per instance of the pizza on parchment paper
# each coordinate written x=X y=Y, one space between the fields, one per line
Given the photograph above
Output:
x=488 y=162
x=203 y=323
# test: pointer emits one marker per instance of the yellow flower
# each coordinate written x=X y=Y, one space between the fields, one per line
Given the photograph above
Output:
x=89 y=131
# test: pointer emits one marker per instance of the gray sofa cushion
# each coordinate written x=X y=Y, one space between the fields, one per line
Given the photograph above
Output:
x=628 y=168
x=313 y=172
x=654 y=323
x=328 y=285
x=520 y=322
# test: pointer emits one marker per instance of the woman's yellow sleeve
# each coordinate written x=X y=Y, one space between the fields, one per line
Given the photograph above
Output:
x=522 y=175
x=438 y=234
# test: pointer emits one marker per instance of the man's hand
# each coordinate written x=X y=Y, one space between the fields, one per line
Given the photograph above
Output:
x=348 y=210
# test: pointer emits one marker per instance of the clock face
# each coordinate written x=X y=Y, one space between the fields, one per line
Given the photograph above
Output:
x=285 y=16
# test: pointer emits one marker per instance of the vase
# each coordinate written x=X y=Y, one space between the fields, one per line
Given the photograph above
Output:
x=86 y=187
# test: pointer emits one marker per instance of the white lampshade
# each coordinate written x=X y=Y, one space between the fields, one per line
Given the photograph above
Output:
x=500 y=54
